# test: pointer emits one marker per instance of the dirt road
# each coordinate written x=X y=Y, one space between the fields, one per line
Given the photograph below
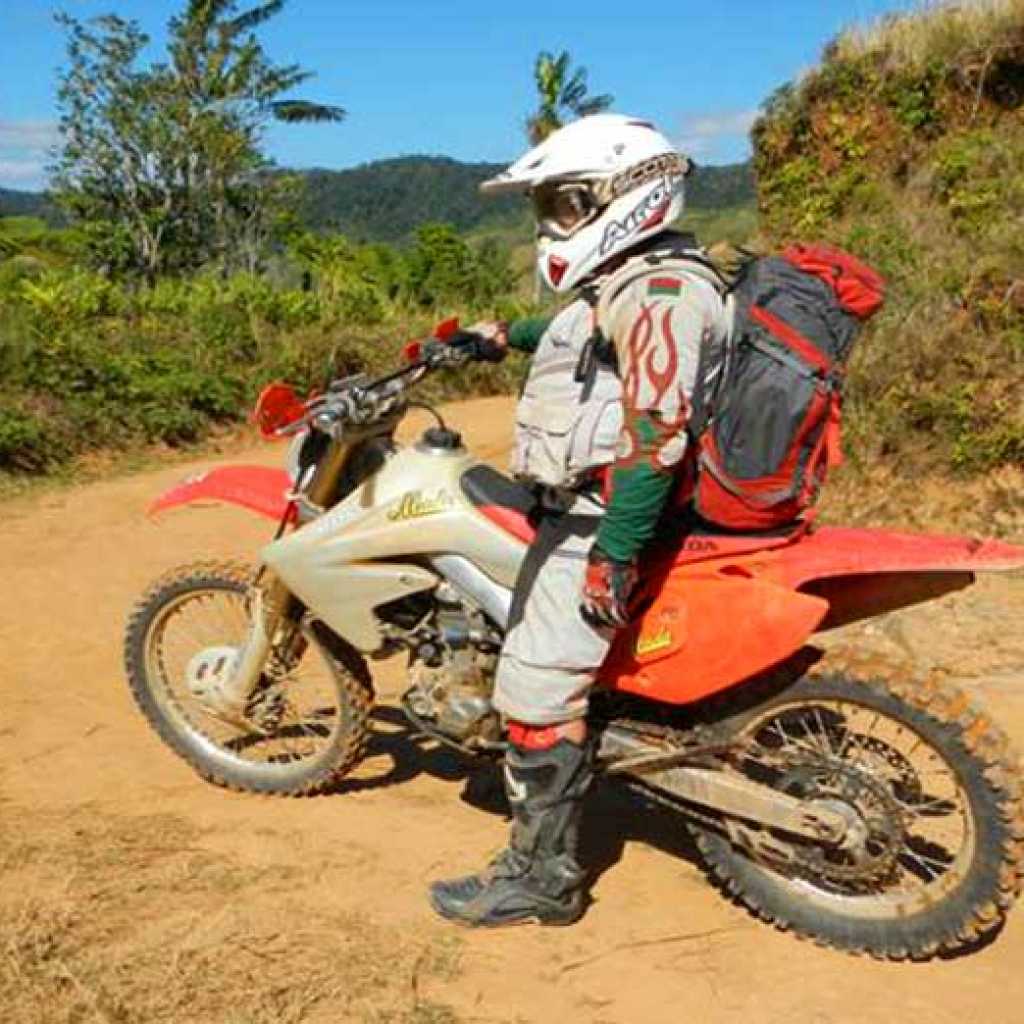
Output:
x=131 y=891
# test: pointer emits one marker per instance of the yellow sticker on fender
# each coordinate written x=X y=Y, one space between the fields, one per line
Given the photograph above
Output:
x=416 y=505
x=653 y=642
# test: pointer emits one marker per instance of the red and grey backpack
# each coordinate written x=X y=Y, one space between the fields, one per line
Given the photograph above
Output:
x=769 y=432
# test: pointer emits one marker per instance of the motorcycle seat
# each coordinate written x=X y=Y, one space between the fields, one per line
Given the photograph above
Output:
x=503 y=501
x=514 y=508
x=697 y=540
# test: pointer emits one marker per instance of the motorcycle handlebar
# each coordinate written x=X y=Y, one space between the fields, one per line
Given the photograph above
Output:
x=355 y=401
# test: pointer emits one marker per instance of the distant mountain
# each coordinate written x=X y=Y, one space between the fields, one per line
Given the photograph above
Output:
x=16 y=203
x=386 y=200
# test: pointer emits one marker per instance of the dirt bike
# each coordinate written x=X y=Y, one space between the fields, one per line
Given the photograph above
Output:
x=851 y=801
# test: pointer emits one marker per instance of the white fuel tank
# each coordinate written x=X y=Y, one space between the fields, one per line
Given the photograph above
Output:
x=351 y=559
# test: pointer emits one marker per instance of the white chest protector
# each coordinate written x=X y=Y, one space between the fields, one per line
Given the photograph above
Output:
x=569 y=418
x=570 y=412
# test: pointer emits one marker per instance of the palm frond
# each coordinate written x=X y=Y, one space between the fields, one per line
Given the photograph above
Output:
x=560 y=89
x=297 y=111
x=255 y=17
x=576 y=84
x=201 y=14
x=594 y=105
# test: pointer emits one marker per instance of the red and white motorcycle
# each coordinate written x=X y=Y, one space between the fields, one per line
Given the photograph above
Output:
x=854 y=802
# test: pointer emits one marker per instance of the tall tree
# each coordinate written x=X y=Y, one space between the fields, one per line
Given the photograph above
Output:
x=562 y=95
x=171 y=154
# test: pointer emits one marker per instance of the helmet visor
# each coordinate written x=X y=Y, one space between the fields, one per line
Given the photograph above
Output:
x=562 y=208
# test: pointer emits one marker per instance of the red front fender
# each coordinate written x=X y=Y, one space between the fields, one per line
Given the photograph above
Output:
x=260 y=489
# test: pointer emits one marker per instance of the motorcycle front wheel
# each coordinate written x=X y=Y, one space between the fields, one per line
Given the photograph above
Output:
x=932 y=859
x=305 y=726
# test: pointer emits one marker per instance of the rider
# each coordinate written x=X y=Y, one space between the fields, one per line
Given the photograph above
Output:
x=601 y=431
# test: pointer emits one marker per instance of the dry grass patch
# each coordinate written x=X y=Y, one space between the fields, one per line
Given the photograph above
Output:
x=947 y=31
x=883 y=495
x=112 y=920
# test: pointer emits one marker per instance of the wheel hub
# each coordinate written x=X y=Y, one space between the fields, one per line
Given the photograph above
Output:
x=207 y=675
x=874 y=825
x=208 y=672
x=856 y=832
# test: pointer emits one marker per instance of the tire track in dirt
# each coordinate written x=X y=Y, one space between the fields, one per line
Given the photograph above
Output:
x=176 y=879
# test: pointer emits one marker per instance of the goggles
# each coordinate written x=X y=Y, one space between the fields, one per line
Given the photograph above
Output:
x=563 y=207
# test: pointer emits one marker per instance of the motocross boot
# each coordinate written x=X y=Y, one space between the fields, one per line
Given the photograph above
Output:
x=537 y=878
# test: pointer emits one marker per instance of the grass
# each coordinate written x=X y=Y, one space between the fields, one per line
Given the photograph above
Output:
x=950 y=32
x=736 y=224
x=116 y=920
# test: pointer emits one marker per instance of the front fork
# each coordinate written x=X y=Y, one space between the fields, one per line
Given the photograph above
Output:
x=269 y=621
x=273 y=617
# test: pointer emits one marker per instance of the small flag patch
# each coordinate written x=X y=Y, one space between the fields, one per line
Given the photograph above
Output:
x=664 y=286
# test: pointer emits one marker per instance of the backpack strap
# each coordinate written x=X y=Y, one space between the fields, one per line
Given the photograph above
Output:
x=733 y=264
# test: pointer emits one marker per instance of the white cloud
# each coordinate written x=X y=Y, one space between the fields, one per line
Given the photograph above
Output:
x=33 y=135
x=24 y=152
x=22 y=173
x=716 y=135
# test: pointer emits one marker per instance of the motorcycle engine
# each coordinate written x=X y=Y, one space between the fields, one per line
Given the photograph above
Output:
x=453 y=656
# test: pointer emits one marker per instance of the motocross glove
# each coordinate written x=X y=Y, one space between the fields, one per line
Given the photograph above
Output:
x=607 y=589
x=486 y=341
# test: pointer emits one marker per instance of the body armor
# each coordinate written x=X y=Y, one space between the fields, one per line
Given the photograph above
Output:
x=570 y=416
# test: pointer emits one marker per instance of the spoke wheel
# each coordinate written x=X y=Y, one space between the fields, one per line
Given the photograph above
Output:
x=304 y=727
x=931 y=859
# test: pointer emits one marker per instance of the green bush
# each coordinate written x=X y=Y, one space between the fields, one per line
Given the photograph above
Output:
x=87 y=361
x=25 y=446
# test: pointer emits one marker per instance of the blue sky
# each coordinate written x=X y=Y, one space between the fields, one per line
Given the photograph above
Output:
x=455 y=78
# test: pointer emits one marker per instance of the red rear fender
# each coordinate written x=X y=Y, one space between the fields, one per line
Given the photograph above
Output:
x=260 y=489
x=864 y=573
x=841 y=551
x=728 y=609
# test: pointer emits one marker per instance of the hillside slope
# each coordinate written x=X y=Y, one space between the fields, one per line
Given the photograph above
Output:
x=906 y=145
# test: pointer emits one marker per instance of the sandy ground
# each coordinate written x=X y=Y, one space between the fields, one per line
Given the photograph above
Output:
x=132 y=891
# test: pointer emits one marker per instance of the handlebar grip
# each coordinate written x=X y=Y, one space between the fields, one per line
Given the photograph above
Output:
x=464 y=343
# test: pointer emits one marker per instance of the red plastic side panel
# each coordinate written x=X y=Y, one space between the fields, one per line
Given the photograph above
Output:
x=260 y=489
x=688 y=644
x=704 y=548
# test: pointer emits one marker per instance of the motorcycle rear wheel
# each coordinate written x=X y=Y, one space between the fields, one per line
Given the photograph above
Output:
x=927 y=780
x=314 y=716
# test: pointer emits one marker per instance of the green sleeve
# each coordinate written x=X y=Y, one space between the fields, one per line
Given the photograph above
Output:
x=640 y=489
x=525 y=334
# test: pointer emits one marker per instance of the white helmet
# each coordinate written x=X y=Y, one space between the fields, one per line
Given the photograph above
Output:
x=599 y=186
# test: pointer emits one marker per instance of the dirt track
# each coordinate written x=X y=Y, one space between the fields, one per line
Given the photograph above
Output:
x=132 y=891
